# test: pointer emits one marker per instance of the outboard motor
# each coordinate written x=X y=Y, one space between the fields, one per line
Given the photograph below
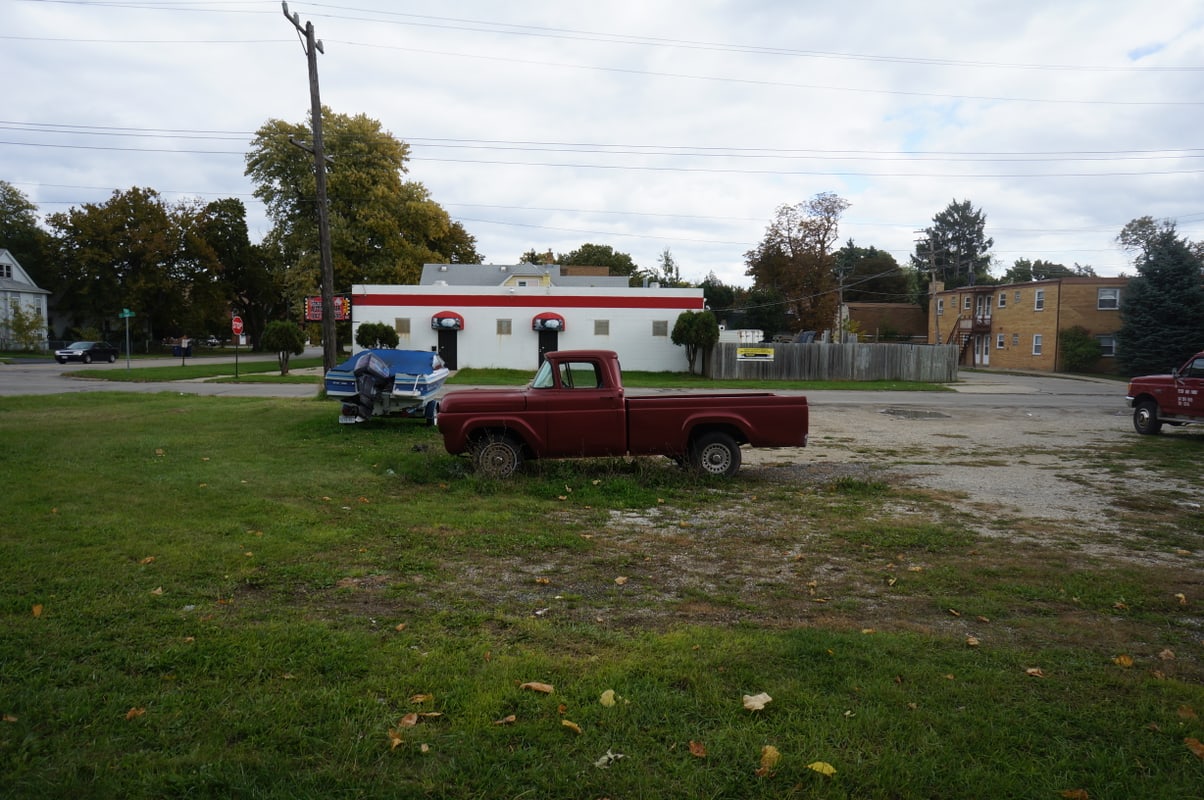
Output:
x=372 y=375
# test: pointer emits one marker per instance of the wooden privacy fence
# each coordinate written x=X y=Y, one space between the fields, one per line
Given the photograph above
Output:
x=835 y=362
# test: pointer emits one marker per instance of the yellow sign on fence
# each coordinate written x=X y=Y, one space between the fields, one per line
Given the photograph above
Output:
x=754 y=354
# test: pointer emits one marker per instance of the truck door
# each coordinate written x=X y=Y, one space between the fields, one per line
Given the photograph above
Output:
x=1189 y=388
x=579 y=414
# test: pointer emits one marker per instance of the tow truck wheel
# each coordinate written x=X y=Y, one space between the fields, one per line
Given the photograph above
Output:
x=497 y=455
x=1145 y=418
x=715 y=454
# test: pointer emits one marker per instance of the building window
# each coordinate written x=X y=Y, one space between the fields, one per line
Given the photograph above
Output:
x=1015 y=340
x=966 y=302
x=601 y=327
x=1037 y=344
x=1039 y=300
x=940 y=306
x=402 y=326
x=1107 y=345
x=6 y=270
x=660 y=327
x=503 y=327
x=999 y=341
x=1108 y=298
x=1017 y=297
x=1003 y=299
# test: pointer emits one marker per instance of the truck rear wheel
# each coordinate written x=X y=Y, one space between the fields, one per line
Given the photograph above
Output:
x=1145 y=418
x=715 y=453
x=497 y=455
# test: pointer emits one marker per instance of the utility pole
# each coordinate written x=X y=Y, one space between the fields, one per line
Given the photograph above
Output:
x=313 y=46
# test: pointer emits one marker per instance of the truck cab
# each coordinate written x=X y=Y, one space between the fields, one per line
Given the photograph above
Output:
x=1174 y=399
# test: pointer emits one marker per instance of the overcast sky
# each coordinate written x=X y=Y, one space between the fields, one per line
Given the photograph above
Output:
x=644 y=125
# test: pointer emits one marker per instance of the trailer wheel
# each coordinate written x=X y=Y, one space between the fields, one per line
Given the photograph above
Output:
x=431 y=412
x=1145 y=418
x=497 y=455
x=715 y=453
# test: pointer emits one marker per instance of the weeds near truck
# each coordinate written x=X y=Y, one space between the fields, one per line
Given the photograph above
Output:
x=241 y=597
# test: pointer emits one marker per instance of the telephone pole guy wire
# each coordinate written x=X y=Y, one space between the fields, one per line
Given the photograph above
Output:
x=313 y=46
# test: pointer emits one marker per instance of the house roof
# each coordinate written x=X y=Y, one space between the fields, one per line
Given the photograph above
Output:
x=499 y=274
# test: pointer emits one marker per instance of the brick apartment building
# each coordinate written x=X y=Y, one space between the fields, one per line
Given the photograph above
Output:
x=1016 y=326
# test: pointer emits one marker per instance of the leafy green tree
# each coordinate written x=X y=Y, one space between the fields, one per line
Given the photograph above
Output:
x=765 y=310
x=26 y=326
x=382 y=227
x=600 y=255
x=1079 y=349
x=283 y=338
x=697 y=332
x=250 y=282
x=956 y=247
x=1162 y=309
x=376 y=335
x=666 y=272
x=871 y=275
x=21 y=235
x=795 y=260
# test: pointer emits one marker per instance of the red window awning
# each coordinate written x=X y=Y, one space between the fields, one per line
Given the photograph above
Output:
x=447 y=321
x=547 y=321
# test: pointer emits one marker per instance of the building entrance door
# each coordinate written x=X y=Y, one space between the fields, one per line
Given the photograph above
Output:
x=447 y=347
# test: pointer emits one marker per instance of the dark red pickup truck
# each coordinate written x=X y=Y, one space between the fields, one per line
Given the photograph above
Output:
x=576 y=407
x=1174 y=399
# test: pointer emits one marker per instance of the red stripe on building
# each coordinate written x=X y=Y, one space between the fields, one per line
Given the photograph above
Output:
x=526 y=301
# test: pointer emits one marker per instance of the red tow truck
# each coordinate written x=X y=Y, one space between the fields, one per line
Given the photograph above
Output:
x=1174 y=399
x=575 y=407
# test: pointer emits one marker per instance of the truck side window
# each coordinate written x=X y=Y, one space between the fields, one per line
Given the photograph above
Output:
x=1195 y=369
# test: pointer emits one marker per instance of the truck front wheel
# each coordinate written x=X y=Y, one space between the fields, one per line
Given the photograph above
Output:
x=497 y=455
x=715 y=454
x=1145 y=417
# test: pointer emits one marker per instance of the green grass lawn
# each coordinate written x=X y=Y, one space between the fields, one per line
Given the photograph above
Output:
x=237 y=597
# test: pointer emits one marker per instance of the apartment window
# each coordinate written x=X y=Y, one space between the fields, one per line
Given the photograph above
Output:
x=660 y=327
x=999 y=339
x=1003 y=299
x=1015 y=340
x=1108 y=298
x=503 y=327
x=522 y=283
x=402 y=326
x=940 y=306
x=601 y=327
x=1039 y=300
x=1017 y=298
x=966 y=302
x=1107 y=345
x=1037 y=344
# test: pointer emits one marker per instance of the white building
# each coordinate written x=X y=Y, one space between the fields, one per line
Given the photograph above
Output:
x=17 y=288
x=508 y=316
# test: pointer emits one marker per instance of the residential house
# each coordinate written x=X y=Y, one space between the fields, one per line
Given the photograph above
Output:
x=17 y=290
x=1017 y=325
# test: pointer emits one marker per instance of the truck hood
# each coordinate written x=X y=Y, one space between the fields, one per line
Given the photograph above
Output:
x=475 y=401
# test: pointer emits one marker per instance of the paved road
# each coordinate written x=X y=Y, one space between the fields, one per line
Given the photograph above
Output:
x=975 y=389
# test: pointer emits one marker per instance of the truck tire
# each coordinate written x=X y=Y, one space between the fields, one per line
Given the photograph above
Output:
x=715 y=453
x=1145 y=418
x=497 y=455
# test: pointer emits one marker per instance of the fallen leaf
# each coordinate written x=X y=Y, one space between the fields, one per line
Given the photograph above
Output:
x=757 y=702
x=698 y=749
x=608 y=698
x=822 y=767
x=543 y=581
x=535 y=686
x=430 y=714
x=509 y=719
x=1167 y=654
x=622 y=579
x=157 y=591
x=868 y=631
x=401 y=626
x=1121 y=605
x=608 y=759
x=424 y=748
x=1123 y=660
x=982 y=619
x=10 y=717
x=972 y=641
x=1195 y=746
x=147 y=560
x=158 y=451
x=134 y=713
x=394 y=739
x=1034 y=672
x=37 y=609
x=1187 y=712
x=572 y=726
x=1076 y=794
x=955 y=612
x=1182 y=598
x=408 y=721
x=418 y=699
x=769 y=760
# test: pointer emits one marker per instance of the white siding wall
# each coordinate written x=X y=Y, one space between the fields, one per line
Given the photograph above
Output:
x=479 y=345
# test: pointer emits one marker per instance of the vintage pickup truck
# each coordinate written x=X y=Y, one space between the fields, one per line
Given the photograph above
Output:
x=1174 y=399
x=575 y=407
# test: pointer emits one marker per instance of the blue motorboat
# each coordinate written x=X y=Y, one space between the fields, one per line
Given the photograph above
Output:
x=382 y=382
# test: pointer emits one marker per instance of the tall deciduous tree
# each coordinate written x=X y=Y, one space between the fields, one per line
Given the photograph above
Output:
x=251 y=280
x=382 y=228
x=870 y=275
x=956 y=246
x=21 y=235
x=795 y=260
x=1162 y=309
x=599 y=255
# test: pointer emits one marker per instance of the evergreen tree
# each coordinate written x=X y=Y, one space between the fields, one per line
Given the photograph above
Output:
x=1162 y=309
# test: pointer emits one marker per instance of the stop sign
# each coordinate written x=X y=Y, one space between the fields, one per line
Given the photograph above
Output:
x=236 y=326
